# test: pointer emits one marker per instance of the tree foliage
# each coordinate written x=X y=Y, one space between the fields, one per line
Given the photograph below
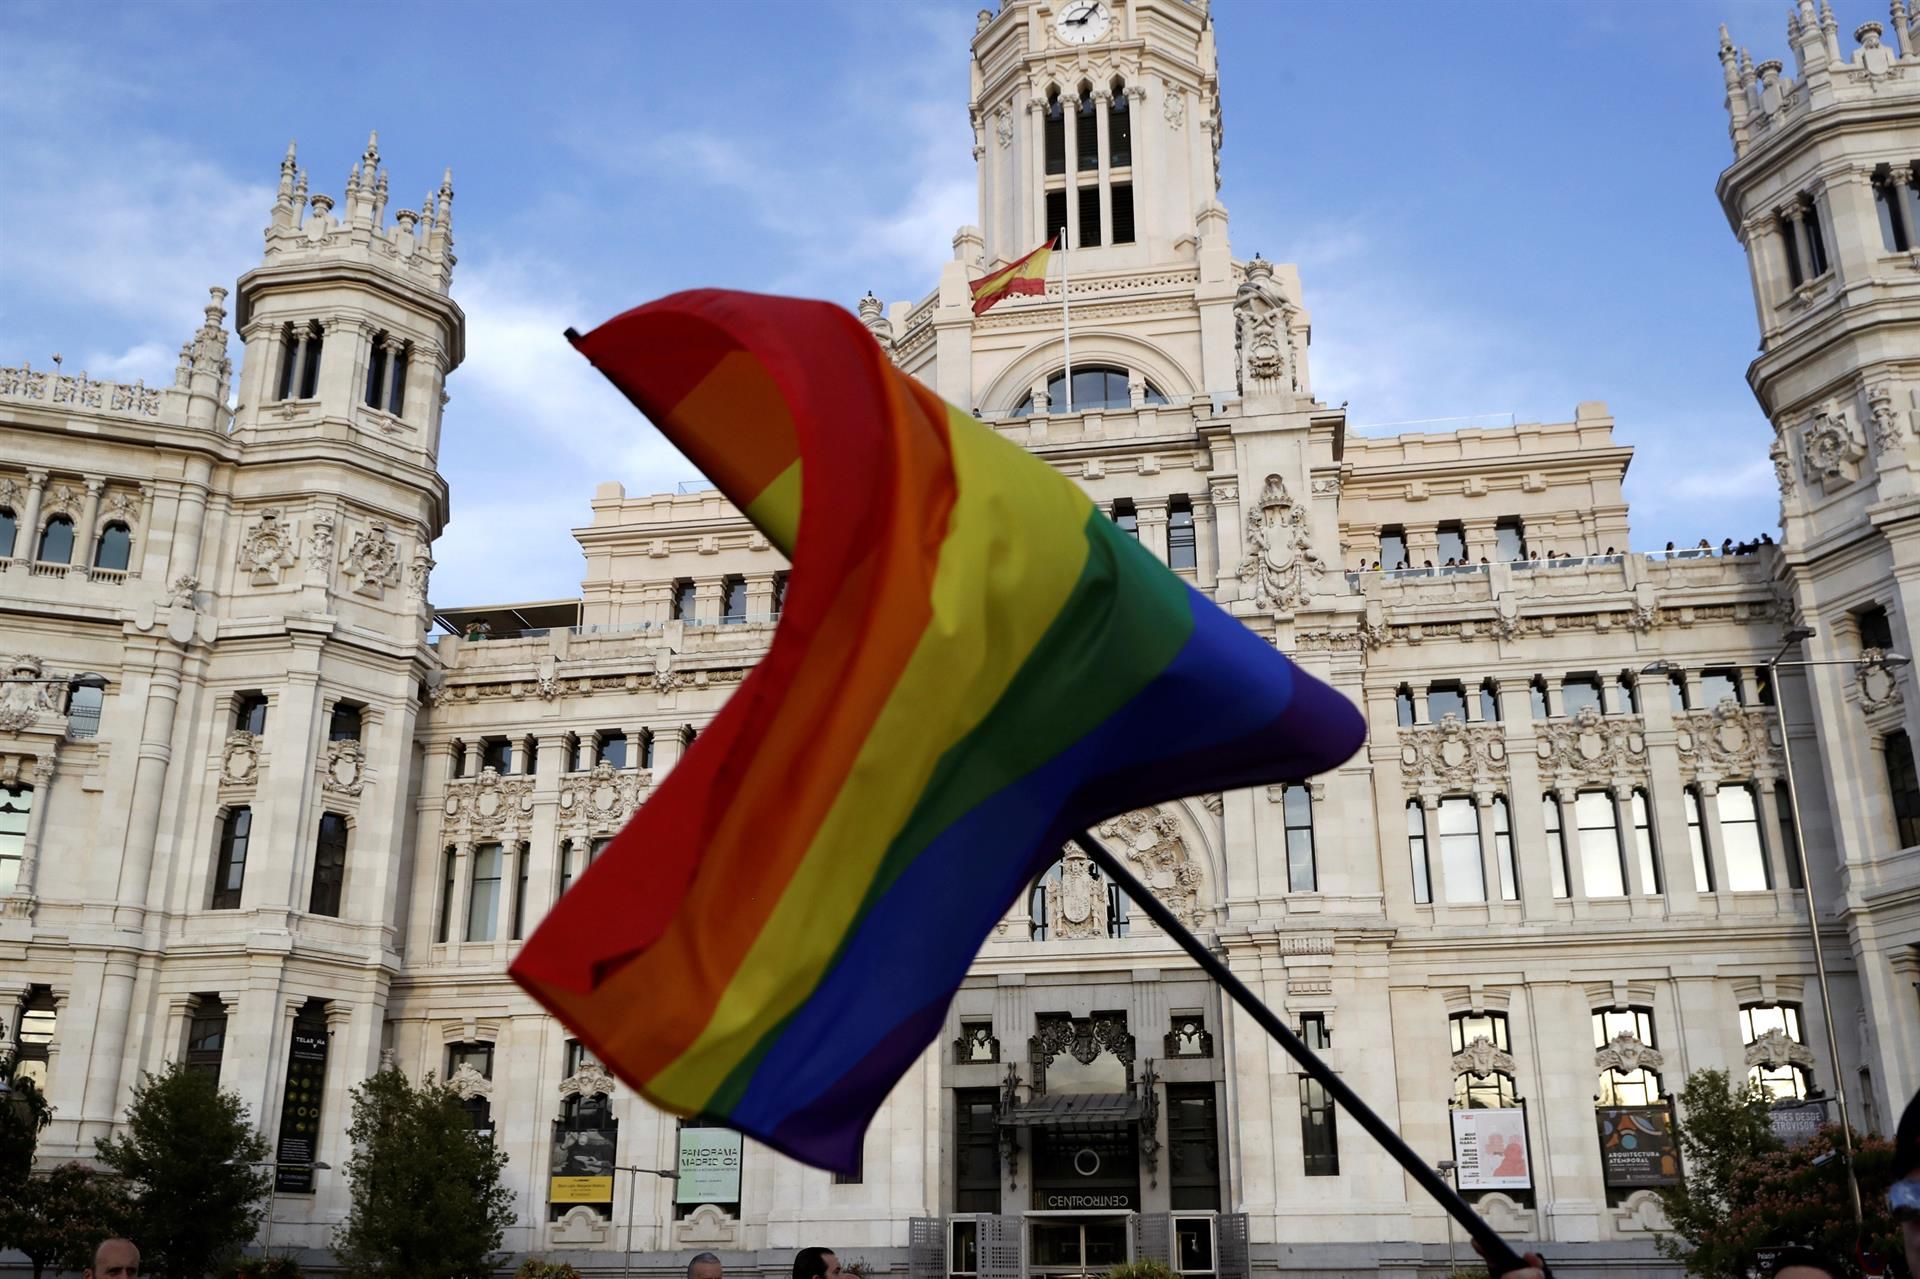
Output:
x=1745 y=1191
x=56 y=1217
x=24 y=1113
x=427 y=1202
x=188 y=1151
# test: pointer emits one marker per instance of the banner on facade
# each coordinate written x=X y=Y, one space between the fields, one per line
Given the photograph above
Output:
x=300 y=1109
x=1637 y=1147
x=709 y=1166
x=585 y=1149
x=1795 y=1122
x=1490 y=1149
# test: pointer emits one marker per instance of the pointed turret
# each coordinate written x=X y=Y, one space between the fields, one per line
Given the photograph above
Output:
x=1902 y=37
x=286 y=212
x=440 y=239
x=207 y=366
x=1738 y=108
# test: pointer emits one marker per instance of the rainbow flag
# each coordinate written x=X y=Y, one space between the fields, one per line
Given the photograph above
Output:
x=973 y=662
x=1028 y=275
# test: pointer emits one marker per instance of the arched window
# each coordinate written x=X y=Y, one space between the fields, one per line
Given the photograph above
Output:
x=1086 y=131
x=1056 y=132
x=115 y=548
x=387 y=374
x=1095 y=386
x=56 y=541
x=1048 y=886
x=1782 y=1080
x=1619 y=1087
x=1119 y=127
x=9 y=531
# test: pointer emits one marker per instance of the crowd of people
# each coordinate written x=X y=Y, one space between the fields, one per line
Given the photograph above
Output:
x=1703 y=550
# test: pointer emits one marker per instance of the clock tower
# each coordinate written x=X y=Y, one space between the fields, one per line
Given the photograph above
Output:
x=1099 y=117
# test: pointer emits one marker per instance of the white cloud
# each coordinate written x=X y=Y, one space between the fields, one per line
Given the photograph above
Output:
x=511 y=549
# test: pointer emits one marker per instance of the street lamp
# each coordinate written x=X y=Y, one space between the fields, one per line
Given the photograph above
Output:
x=1866 y=661
x=1446 y=1169
x=626 y=1268
x=86 y=679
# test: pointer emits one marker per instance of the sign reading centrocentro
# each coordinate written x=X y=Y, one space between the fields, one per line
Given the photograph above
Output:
x=709 y=1166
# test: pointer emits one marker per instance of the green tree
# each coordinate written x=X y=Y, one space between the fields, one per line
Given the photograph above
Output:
x=56 y=1217
x=1745 y=1191
x=427 y=1202
x=24 y=1113
x=190 y=1155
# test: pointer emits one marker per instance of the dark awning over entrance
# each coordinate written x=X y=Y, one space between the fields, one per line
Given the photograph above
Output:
x=1075 y=1111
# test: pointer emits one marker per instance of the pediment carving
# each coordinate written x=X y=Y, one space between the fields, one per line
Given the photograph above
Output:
x=468 y=1083
x=1480 y=1059
x=1625 y=1054
x=1150 y=838
x=489 y=804
x=1775 y=1049
x=1729 y=741
x=602 y=798
x=591 y=1080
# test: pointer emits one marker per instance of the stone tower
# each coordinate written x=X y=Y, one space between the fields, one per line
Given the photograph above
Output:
x=1822 y=194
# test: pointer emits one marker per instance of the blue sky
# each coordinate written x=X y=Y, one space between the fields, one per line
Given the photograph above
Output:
x=1496 y=208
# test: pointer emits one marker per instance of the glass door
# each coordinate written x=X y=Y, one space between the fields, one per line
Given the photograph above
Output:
x=1075 y=1248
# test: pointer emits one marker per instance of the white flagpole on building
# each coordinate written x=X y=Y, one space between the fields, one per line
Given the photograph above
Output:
x=1066 y=327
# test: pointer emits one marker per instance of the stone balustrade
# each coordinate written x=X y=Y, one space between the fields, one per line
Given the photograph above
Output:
x=77 y=390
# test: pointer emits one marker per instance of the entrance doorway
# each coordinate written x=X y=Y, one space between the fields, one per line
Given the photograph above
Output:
x=1075 y=1247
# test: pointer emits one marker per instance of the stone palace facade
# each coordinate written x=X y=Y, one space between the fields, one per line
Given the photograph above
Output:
x=301 y=830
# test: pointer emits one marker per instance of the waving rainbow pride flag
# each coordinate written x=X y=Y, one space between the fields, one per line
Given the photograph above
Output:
x=973 y=662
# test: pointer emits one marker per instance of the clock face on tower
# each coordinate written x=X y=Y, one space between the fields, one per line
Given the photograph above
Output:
x=1083 y=21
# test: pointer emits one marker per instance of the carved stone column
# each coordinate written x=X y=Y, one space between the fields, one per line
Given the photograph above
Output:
x=1780 y=864
x=457 y=903
x=30 y=841
x=1102 y=100
x=1206 y=543
x=1709 y=792
x=30 y=518
x=1566 y=798
x=472 y=761
x=1489 y=855
x=83 y=536
x=1151 y=517
x=517 y=757
x=1628 y=840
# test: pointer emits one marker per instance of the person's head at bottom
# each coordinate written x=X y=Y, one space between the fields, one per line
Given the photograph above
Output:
x=705 y=1266
x=1796 y=1262
x=1903 y=1197
x=115 y=1259
x=816 y=1263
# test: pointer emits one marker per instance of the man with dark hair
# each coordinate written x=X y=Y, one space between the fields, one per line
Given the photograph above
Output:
x=114 y=1259
x=1903 y=1197
x=1796 y=1262
x=816 y=1263
x=705 y=1266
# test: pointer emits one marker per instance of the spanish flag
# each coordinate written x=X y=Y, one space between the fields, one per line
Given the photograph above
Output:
x=1028 y=275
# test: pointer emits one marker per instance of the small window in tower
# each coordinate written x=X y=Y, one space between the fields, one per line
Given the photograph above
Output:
x=733 y=597
x=683 y=600
x=1056 y=215
x=376 y=371
x=1126 y=517
x=1816 y=241
x=310 y=363
x=1056 y=133
x=1089 y=218
x=1180 y=538
x=1393 y=547
x=1452 y=543
x=397 y=380
x=1123 y=213
x=1119 y=130
x=250 y=713
x=344 y=723
x=1795 y=276
x=1086 y=132
x=1887 y=200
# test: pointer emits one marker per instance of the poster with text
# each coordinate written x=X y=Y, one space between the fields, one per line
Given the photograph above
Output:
x=709 y=1166
x=1637 y=1147
x=1490 y=1149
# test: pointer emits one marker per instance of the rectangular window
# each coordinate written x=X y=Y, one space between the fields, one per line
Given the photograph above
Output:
x=1446 y=698
x=1452 y=544
x=683 y=599
x=976 y=1150
x=1509 y=540
x=1297 y=811
x=207 y=1036
x=483 y=898
x=1719 y=685
x=16 y=802
x=1122 y=195
x=1638 y=1087
x=1743 y=851
x=1460 y=850
x=1193 y=1141
x=1556 y=845
x=1089 y=229
x=1677 y=692
x=1903 y=789
x=1875 y=627
x=613 y=749
x=1643 y=845
x=1537 y=698
x=1816 y=239
x=646 y=748
x=1697 y=843
x=479 y=1059
x=1783 y=1082
x=1582 y=692
x=1120 y=131
x=448 y=871
x=376 y=370
x=1795 y=276
x=231 y=868
x=1086 y=135
x=1393 y=547
x=1126 y=517
x=733 y=597
x=1893 y=222
x=343 y=725
x=1789 y=835
x=1503 y=849
x=497 y=753
x=1403 y=706
x=250 y=713
x=1417 y=851
x=1319 y=1143
x=1056 y=215
x=1489 y=703
x=1056 y=135
x=520 y=860
x=779 y=593
x=1601 y=871
x=1181 y=546
x=329 y=865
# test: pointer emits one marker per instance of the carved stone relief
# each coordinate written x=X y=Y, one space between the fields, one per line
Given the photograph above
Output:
x=489 y=804
x=1281 y=563
x=1082 y=1038
x=1782 y=468
x=344 y=770
x=1152 y=842
x=468 y=1083
x=600 y=799
x=373 y=561
x=1592 y=747
x=1775 y=1049
x=1887 y=432
x=591 y=1080
x=1625 y=1053
x=1077 y=908
x=1831 y=448
x=1263 y=317
x=1878 y=687
x=1480 y=1059
x=1453 y=755
x=240 y=759
x=1729 y=741
x=268 y=547
x=23 y=702
x=419 y=573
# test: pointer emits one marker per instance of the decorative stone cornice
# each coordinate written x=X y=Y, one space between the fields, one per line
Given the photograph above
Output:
x=1453 y=756
x=1592 y=747
x=489 y=805
x=601 y=798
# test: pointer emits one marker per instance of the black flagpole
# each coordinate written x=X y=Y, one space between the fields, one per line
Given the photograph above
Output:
x=1499 y=1254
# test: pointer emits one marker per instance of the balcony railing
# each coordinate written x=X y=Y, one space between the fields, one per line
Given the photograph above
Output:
x=77 y=389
